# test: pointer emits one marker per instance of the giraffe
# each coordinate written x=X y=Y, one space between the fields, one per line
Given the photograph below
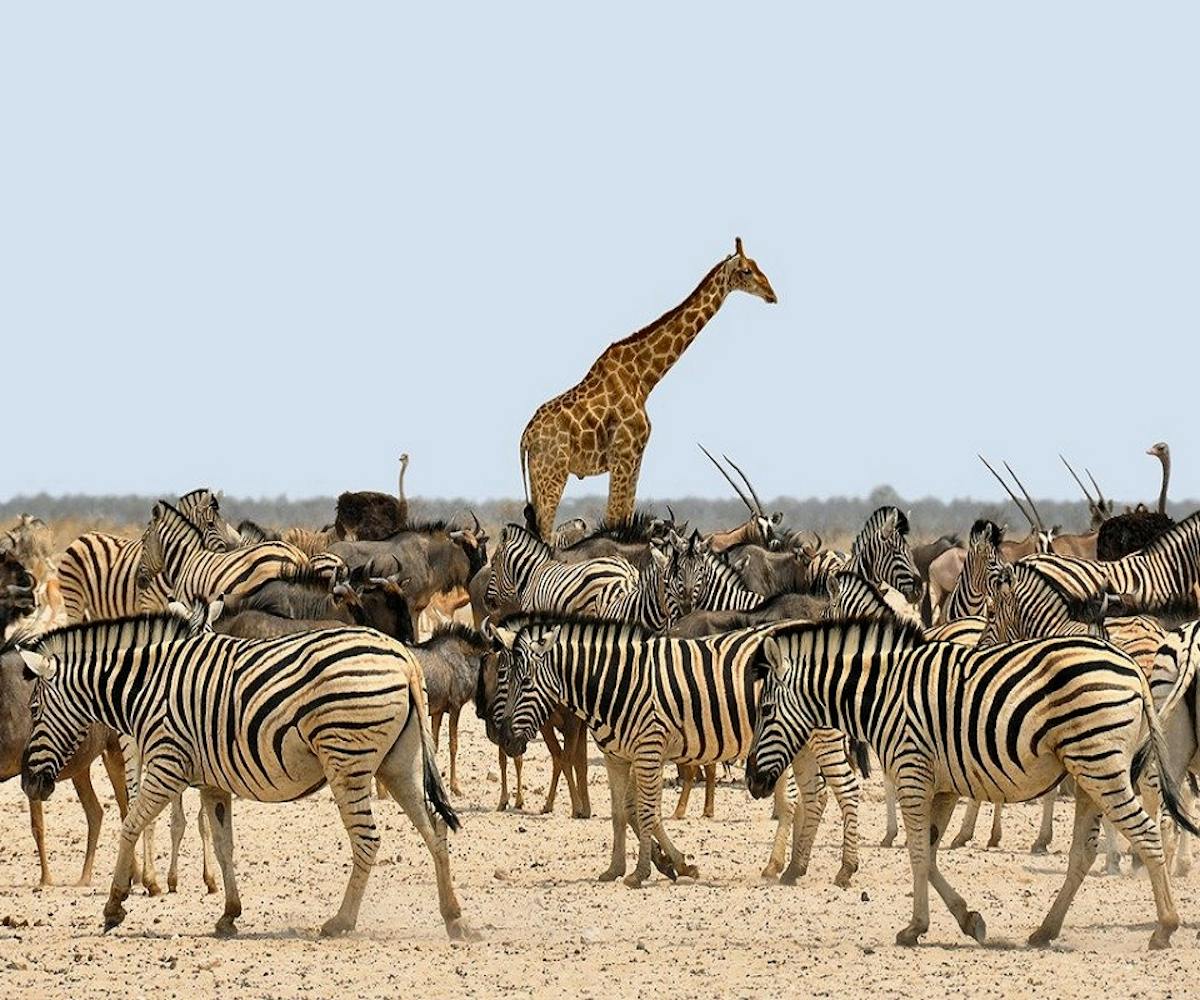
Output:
x=600 y=424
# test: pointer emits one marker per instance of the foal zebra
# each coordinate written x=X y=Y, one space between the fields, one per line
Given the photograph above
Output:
x=173 y=553
x=649 y=700
x=1002 y=725
x=98 y=573
x=525 y=574
x=269 y=720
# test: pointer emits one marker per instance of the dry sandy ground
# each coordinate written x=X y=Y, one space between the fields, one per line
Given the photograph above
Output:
x=526 y=881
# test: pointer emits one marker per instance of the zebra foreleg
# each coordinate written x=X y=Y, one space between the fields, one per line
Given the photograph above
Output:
x=618 y=778
x=997 y=824
x=153 y=795
x=687 y=778
x=217 y=807
x=178 y=828
x=811 y=796
x=916 y=798
x=839 y=776
x=784 y=814
x=969 y=921
x=646 y=775
x=37 y=823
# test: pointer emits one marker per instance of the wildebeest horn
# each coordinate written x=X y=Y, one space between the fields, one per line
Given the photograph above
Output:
x=728 y=479
x=1025 y=492
x=1008 y=490
x=1077 y=479
x=478 y=526
x=749 y=486
x=15 y=591
x=671 y=514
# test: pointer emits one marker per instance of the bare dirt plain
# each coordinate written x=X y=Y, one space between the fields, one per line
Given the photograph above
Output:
x=527 y=882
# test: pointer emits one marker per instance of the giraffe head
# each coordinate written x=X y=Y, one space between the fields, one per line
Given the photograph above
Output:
x=745 y=276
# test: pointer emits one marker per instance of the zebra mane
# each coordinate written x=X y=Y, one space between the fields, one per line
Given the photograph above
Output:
x=724 y=569
x=1080 y=609
x=635 y=529
x=983 y=528
x=521 y=620
x=171 y=509
x=875 y=522
x=91 y=638
x=448 y=631
x=906 y=634
x=202 y=493
x=519 y=530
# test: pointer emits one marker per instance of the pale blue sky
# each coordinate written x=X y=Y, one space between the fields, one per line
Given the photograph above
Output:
x=270 y=246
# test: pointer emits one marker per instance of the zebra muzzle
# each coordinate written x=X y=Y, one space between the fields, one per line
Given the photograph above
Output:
x=38 y=784
x=760 y=785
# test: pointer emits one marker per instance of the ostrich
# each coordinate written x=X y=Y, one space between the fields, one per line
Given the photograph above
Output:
x=1137 y=528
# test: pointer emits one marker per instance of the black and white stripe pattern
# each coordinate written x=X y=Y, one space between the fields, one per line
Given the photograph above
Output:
x=268 y=720
x=881 y=554
x=1000 y=725
x=649 y=700
x=978 y=577
x=525 y=574
x=174 y=556
x=98 y=573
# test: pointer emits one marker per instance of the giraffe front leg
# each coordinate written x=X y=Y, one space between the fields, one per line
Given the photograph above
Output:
x=624 y=464
x=549 y=467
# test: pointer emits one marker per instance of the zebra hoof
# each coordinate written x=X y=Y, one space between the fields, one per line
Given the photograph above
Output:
x=502 y=805
x=226 y=928
x=113 y=917
x=1040 y=938
x=634 y=880
x=1039 y=848
x=889 y=840
x=792 y=875
x=610 y=874
x=975 y=927
x=581 y=814
x=910 y=936
x=335 y=926
x=994 y=842
x=172 y=883
x=210 y=884
x=520 y=802
x=842 y=879
x=689 y=871
x=772 y=870
x=460 y=930
x=1159 y=942
x=958 y=842
x=153 y=889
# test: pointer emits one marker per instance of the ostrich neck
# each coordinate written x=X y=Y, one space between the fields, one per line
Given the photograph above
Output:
x=1166 y=479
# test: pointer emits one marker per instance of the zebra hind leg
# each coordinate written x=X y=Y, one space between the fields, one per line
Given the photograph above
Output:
x=646 y=774
x=893 y=825
x=840 y=776
x=217 y=808
x=178 y=828
x=618 y=778
x=966 y=832
x=969 y=921
x=914 y=791
x=402 y=771
x=1046 y=831
x=997 y=824
x=1083 y=853
x=352 y=793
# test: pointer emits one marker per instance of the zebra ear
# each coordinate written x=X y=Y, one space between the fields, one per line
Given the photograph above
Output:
x=773 y=654
x=505 y=636
x=215 y=609
x=37 y=665
x=540 y=647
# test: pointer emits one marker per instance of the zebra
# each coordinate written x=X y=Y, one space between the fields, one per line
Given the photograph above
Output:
x=1002 y=724
x=978 y=576
x=880 y=553
x=98 y=573
x=1027 y=605
x=650 y=699
x=648 y=603
x=269 y=720
x=526 y=574
x=1162 y=575
x=173 y=552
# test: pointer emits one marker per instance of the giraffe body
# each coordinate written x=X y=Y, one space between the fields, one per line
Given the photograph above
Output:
x=600 y=424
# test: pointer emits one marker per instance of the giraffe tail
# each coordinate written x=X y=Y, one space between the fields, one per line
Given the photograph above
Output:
x=524 y=478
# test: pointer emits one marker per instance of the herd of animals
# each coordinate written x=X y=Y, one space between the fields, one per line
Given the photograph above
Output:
x=265 y=665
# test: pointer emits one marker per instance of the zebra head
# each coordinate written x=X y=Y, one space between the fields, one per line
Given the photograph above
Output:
x=518 y=552
x=1003 y=611
x=202 y=508
x=685 y=582
x=58 y=729
x=881 y=553
x=784 y=723
x=983 y=556
x=529 y=691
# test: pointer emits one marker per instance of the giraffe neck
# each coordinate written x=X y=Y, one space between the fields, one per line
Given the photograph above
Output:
x=643 y=358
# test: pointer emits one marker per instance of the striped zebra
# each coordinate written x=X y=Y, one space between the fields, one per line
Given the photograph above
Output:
x=173 y=554
x=1161 y=576
x=978 y=577
x=1002 y=725
x=880 y=553
x=269 y=720
x=649 y=700
x=98 y=573
x=525 y=574
x=648 y=604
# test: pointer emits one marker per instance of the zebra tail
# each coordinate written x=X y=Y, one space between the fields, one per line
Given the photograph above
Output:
x=435 y=791
x=1169 y=691
x=1156 y=744
x=862 y=757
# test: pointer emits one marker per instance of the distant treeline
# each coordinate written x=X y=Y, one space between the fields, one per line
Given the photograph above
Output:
x=833 y=517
